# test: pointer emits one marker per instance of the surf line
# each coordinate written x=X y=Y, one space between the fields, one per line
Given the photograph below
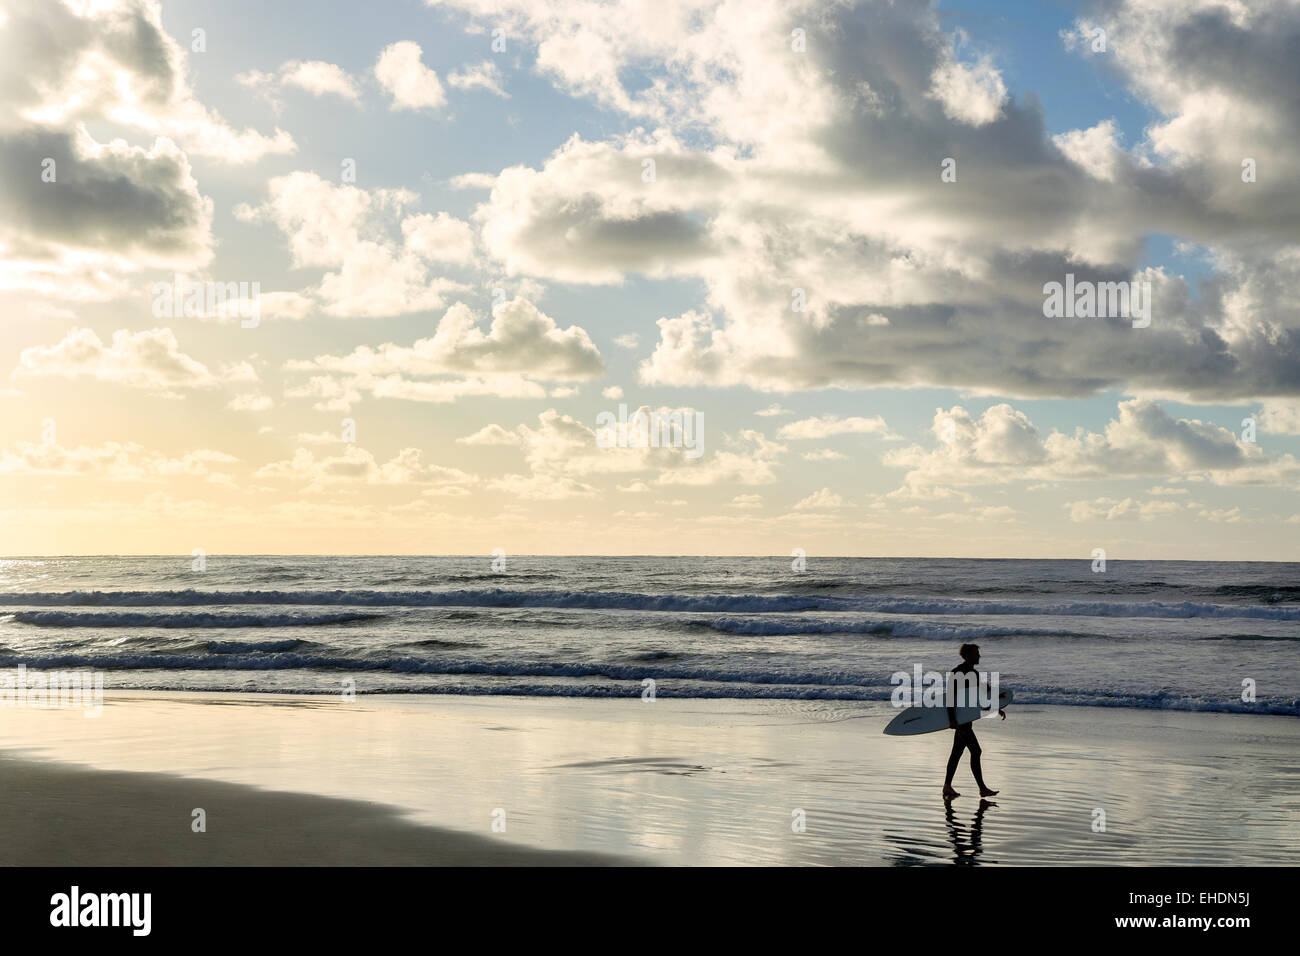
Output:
x=934 y=689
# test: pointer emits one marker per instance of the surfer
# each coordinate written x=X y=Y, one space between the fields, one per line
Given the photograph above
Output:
x=965 y=737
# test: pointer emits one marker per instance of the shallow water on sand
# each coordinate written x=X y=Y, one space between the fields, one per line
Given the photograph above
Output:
x=728 y=782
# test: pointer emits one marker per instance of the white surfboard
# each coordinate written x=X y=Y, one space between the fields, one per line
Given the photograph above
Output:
x=927 y=720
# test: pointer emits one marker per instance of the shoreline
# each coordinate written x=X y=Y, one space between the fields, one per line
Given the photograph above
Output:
x=409 y=780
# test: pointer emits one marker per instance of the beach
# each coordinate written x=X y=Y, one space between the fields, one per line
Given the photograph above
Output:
x=641 y=710
x=295 y=779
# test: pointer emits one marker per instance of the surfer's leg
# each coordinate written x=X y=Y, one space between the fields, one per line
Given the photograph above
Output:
x=954 y=758
x=975 y=752
x=975 y=767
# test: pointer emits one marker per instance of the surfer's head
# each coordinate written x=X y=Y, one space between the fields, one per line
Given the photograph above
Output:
x=970 y=653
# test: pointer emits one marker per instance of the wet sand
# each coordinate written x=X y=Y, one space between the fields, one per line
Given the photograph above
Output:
x=462 y=780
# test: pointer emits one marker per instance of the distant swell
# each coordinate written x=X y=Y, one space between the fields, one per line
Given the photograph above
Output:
x=245 y=647
x=128 y=619
x=625 y=600
x=776 y=627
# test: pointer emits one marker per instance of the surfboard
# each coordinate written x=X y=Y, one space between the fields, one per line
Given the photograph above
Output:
x=926 y=720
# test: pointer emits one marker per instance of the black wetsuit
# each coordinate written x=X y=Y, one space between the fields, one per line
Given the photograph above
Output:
x=964 y=739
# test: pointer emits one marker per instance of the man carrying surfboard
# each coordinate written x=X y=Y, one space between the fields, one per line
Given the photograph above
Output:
x=965 y=738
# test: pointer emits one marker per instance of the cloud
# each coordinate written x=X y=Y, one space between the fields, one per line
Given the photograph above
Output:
x=1109 y=509
x=542 y=487
x=312 y=76
x=1280 y=418
x=490 y=435
x=112 y=461
x=381 y=261
x=829 y=425
x=776 y=171
x=567 y=452
x=412 y=85
x=97 y=126
x=319 y=78
x=1003 y=445
x=111 y=210
x=521 y=345
x=587 y=216
x=111 y=62
x=970 y=93
x=473 y=181
x=150 y=360
x=485 y=75
x=823 y=454
x=1096 y=150
x=356 y=465
x=820 y=500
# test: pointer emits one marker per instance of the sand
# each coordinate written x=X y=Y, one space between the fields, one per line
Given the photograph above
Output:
x=492 y=780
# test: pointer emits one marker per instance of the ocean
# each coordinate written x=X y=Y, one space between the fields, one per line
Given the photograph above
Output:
x=1177 y=635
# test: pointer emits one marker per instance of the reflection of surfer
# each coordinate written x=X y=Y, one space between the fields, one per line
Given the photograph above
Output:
x=966 y=852
x=965 y=737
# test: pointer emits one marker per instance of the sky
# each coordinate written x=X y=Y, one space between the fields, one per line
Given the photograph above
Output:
x=823 y=234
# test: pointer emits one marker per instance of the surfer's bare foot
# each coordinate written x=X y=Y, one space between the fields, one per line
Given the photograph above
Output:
x=986 y=792
x=949 y=793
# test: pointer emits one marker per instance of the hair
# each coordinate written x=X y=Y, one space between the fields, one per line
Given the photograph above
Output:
x=965 y=650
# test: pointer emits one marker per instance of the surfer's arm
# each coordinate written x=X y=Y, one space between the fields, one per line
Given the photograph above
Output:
x=1002 y=714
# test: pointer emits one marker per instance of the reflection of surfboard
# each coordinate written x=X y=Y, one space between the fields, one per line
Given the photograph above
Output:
x=926 y=720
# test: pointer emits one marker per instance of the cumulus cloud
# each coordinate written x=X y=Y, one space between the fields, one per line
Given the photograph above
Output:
x=65 y=64
x=111 y=209
x=490 y=435
x=312 y=76
x=380 y=258
x=1096 y=150
x=569 y=455
x=412 y=85
x=151 y=360
x=521 y=345
x=775 y=171
x=970 y=93
x=97 y=126
x=1144 y=440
